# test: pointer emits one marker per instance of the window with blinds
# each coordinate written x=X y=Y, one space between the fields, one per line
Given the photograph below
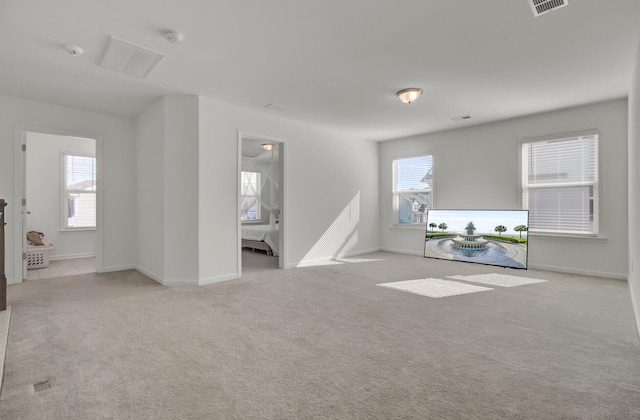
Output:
x=79 y=193
x=560 y=184
x=249 y=196
x=412 y=189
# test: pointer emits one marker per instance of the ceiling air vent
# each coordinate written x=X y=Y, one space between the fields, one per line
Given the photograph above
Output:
x=128 y=58
x=540 y=7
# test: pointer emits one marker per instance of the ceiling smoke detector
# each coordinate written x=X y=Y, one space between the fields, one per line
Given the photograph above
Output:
x=541 y=7
x=74 y=50
x=174 y=37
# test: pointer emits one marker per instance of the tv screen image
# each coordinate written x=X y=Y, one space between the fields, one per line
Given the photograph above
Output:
x=492 y=237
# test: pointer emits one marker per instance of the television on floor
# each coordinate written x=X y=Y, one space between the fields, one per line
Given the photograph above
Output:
x=492 y=237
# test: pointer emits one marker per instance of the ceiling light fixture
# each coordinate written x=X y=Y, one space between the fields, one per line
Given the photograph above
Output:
x=174 y=37
x=409 y=95
x=267 y=146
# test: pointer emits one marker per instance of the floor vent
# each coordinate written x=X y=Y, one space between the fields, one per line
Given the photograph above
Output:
x=41 y=386
x=540 y=7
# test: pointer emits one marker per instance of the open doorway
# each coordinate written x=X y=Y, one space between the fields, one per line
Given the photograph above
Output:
x=261 y=209
x=60 y=208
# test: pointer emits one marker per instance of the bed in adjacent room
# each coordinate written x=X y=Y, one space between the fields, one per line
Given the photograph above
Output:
x=264 y=237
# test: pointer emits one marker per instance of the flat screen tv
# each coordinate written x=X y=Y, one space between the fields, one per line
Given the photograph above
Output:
x=493 y=237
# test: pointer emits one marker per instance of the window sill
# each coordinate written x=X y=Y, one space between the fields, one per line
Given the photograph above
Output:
x=77 y=229
x=565 y=235
x=412 y=226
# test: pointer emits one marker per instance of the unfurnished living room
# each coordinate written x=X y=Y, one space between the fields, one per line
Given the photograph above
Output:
x=238 y=209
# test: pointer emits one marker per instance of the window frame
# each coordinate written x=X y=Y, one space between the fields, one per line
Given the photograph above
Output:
x=395 y=194
x=258 y=218
x=64 y=224
x=595 y=184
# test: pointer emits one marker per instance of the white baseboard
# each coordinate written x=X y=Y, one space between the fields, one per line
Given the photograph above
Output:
x=404 y=251
x=578 y=271
x=72 y=256
x=117 y=268
x=180 y=282
x=149 y=274
x=218 y=279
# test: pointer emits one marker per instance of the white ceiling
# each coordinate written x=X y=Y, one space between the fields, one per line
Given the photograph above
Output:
x=335 y=64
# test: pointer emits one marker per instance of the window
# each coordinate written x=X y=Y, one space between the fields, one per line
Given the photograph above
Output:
x=412 y=189
x=249 y=196
x=560 y=184
x=79 y=192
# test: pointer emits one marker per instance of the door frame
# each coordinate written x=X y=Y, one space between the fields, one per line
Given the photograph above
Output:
x=19 y=192
x=283 y=220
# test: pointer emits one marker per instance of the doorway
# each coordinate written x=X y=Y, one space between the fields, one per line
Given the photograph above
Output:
x=60 y=207
x=261 y=204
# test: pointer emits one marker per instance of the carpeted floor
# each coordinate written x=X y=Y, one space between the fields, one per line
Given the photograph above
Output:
x=322 y=342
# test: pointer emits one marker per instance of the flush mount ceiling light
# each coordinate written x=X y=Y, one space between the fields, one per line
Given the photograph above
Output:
x=267 y=146
x=409 y=95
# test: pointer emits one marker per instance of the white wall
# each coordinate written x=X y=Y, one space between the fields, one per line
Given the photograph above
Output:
x=149 y=186
x=181 y=182
x=477 y=167
x=325 y=171
x=44 y=193
x=116 y=149
x=167 y=183
x=634 y=189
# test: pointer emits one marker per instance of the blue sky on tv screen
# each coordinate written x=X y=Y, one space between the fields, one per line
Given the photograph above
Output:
x=485 y=221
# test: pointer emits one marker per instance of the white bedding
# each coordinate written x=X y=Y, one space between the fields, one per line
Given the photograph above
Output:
x=267 y=233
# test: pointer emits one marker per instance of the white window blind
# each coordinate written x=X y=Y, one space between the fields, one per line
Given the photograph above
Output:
x=79 y=192
x=560 y=184
x=249 y=196
x=412 y=189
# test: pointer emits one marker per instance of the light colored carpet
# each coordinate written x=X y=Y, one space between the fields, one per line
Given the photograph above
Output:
x=321 y=342
x=495 y=279
x=5 y=320
x=435 y=288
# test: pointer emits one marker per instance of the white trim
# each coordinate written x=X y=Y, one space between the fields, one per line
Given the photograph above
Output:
x=394 y=173
x=19 y=189
x=12 y=280
x=164 y=282
x=561 y=135
x=404 y=251
x=409 y=226
x=218 y=279
x=179 y=283
x=64 y=208
x=283 y=242
x=522 y=140
x=149 y=274
x=117 y=268
x=73 y=256
x=570 y=270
